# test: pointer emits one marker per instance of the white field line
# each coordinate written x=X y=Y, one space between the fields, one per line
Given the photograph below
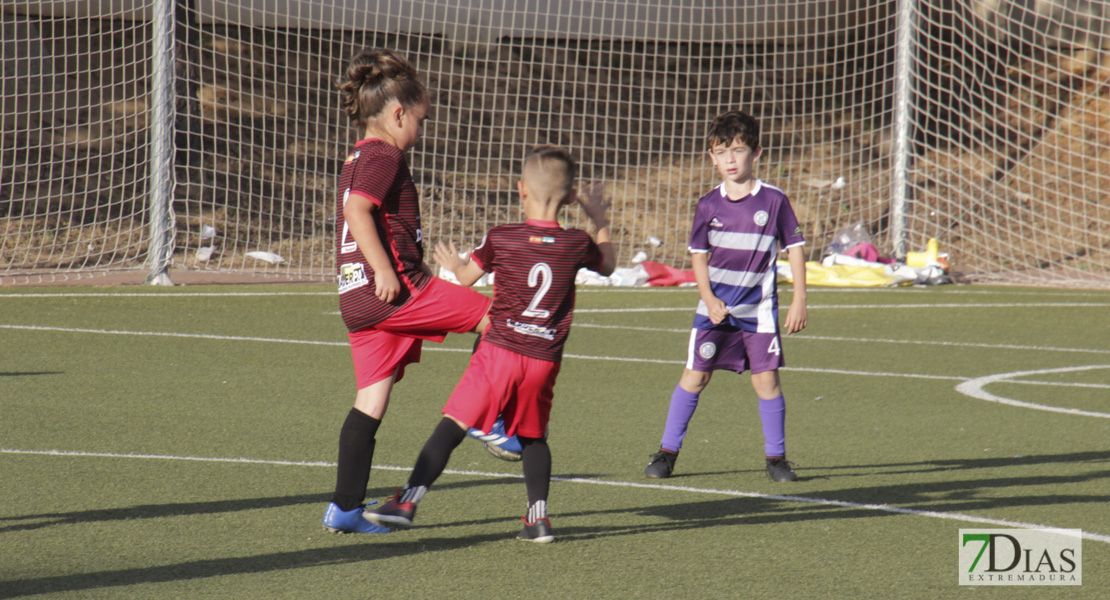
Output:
x=582 y=325
x=432 y=348
x=821 y=290
x=1098 y=537
x=203 y=336
x=974 y=388
x=870 y=306
x=182 y=292
x=828 y=338
x=166 y=294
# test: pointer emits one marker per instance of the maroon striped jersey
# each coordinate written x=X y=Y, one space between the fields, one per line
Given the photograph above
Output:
x=534 y=265
x=378 y=171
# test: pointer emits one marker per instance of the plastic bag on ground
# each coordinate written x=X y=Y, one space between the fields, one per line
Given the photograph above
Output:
x=846 y=238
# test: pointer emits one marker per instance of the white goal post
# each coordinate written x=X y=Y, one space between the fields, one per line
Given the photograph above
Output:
x=206 y=135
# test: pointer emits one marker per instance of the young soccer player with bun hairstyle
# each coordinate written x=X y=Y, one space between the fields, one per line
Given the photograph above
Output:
x=512 y=372
x=389 y=299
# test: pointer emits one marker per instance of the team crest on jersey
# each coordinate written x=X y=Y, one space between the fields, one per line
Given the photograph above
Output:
x=707 y=350
x=351 y=276
x=354 y=156
x=541 y=239
x=716 y=223
x=761 y=218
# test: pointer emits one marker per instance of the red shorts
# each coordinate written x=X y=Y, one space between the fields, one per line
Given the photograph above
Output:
x=502 y=382
x=379 y=354
x=438 y=309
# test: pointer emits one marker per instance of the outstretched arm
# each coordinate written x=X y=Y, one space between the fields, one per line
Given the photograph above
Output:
x=447 y=256
x=595 y=205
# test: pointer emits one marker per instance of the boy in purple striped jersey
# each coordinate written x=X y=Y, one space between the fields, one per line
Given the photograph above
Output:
x=739 y=229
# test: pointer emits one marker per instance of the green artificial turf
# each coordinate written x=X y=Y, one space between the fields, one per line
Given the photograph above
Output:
x=180 y=444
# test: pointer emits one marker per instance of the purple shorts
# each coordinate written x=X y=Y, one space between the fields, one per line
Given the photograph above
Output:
x=733 y=349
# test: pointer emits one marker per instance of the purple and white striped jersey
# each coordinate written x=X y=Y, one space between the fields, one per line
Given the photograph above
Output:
x=743 y=238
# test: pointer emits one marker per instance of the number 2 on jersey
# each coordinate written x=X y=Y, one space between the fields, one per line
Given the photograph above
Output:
x=539 y=275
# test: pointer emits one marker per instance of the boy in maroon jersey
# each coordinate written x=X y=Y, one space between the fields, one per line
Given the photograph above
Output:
x=513 y=371
x=389 y=300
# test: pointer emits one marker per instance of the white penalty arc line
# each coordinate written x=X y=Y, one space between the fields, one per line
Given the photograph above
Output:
x=1098 y=537
x=974 y=389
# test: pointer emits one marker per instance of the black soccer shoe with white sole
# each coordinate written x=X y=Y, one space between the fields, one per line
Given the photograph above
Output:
x=661 y=465
x=779 y=469
x=539 y=532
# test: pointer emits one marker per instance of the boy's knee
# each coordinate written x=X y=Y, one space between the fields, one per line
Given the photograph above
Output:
x=694 y=381
x=766 y=384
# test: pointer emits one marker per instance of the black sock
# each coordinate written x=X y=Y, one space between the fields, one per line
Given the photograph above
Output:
x=536 y=459
x=356 y=454
x=437 y=451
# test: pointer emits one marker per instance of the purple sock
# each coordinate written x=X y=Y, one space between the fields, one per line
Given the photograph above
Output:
x=679 y=414
x=773 y=414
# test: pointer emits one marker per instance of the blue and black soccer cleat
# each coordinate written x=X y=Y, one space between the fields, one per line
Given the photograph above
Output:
x=500 y=445
x=337 y=520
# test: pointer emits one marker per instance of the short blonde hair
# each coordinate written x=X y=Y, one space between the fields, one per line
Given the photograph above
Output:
x=549 y=171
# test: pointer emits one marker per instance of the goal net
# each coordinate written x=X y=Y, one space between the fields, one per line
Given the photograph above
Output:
x=980 y=123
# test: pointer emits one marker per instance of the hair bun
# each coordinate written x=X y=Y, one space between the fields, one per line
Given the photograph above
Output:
x=375 y=77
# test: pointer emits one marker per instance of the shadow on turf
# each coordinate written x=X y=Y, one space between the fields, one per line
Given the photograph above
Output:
x=929 y=466
x=376 y=547
x=936 y=496
x=925 y=466
x=156 y=511
x=29 y=373
x=949 y=496
x=959 y=495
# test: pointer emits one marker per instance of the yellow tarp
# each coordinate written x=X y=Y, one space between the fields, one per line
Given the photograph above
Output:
x=841 y=275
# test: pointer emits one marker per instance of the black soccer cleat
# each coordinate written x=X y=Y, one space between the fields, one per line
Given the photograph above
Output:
x=661 y=465
x=539 y=532
x=779 y=469
x=394 y=514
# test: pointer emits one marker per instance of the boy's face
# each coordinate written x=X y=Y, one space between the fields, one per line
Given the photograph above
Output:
x=735 y=161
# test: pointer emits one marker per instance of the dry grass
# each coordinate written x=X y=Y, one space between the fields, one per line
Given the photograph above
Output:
x=1022 y=189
